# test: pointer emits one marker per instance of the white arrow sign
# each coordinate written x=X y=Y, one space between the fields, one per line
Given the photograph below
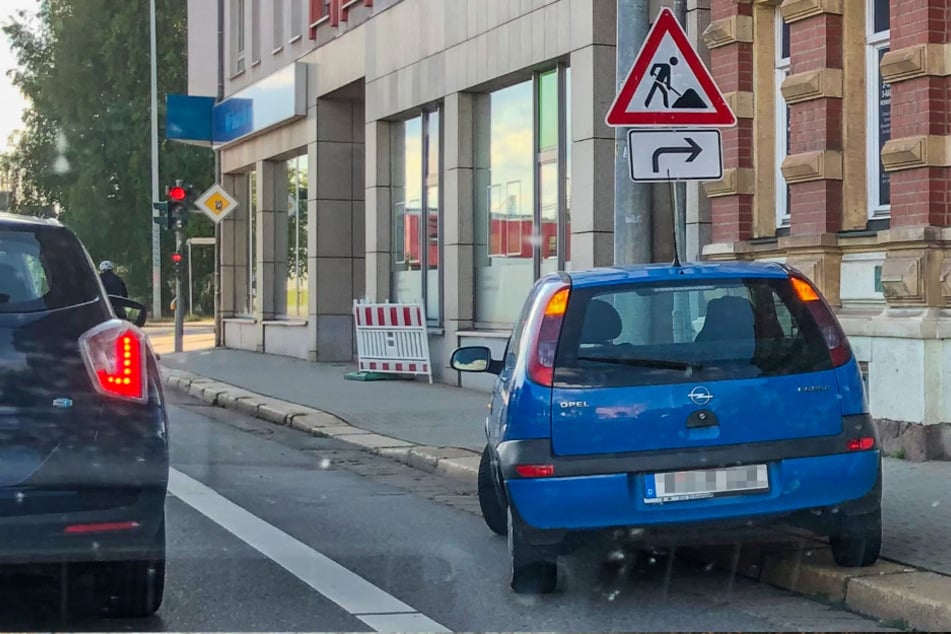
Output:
x=687 y=155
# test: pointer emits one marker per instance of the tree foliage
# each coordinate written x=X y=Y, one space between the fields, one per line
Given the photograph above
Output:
x=84 y=149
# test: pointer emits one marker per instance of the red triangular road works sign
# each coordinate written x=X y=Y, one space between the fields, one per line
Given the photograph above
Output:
x=669 y=85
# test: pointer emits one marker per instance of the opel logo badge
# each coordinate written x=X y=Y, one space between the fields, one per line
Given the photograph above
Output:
x=700 y=395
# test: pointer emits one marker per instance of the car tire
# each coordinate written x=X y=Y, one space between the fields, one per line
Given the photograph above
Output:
x=133 y=589
x=534 y=568
x=493 y=510
x=859 y=540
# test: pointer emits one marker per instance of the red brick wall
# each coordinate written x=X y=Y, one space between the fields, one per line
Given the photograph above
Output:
x=732 y=68
x=815 y=43
x=921 y=106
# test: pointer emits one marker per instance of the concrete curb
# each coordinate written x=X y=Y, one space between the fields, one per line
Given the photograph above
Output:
x=901 y=595
x=457 y=463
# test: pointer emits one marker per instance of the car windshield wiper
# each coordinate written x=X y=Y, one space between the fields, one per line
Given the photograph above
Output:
x=644 y=363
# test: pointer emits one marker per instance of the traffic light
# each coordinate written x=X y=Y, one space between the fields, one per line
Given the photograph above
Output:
x=177 y=263
x=179 y=199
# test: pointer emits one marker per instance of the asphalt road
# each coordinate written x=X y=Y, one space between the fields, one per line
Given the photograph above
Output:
x=271 y=529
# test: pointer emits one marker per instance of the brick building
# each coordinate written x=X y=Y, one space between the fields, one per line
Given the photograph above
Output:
x=841 y=166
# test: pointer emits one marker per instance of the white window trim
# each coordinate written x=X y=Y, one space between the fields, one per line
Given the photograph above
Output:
x=783 y=66
x=874 y=43
x=239 y=54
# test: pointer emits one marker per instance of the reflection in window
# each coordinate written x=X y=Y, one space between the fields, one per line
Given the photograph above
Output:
x=415 y=195
x=297 y=237
x=522 y=159
x=879 y=123
x=252 y=242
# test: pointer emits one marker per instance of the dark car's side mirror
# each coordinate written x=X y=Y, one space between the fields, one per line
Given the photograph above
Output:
x=474 y=359
x=141 y=313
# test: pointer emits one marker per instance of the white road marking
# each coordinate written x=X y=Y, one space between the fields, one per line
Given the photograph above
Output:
x=363 y=600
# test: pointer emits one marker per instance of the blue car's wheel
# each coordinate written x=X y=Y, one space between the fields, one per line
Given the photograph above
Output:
x=493 y=510
x=534 y=568
x=859 y=540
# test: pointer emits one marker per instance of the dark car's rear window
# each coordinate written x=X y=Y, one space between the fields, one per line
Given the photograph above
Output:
x=687 y=331
x=43 y=268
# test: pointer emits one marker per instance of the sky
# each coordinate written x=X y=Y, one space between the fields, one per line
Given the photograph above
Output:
x=12 y=102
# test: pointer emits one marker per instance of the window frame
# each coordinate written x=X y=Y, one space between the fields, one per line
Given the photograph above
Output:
x=296 y=18
x=255 y=32
x=277 y=33
x=238 y=36
x=875 y=43
x=422 y=227
x=783 y=67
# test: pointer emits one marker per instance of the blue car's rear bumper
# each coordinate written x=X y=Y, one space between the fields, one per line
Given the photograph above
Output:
x=590 y=502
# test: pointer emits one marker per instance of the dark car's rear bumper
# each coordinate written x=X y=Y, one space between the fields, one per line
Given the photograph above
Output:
x=122 y=532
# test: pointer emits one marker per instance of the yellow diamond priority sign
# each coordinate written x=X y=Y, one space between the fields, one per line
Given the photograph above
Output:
x=216 y=203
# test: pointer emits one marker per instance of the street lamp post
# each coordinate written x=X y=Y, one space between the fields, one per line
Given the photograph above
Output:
x=156 y=230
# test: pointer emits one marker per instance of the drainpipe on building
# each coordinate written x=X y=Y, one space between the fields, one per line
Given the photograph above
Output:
x=219 y=335
x=633 y=206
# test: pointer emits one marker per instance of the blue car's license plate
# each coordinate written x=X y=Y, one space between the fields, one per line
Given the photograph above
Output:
x=691 y=485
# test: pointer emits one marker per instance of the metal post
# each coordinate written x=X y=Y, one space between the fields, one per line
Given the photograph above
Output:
x=219 y=337
x=633 y=242
x=191 y=282
x=156 y=230
x=179 y=303
x=680 y=203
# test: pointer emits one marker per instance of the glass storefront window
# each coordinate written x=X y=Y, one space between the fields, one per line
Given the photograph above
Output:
x=522 y=224
x=252 y=240
x=415 y=146
x=297 y=237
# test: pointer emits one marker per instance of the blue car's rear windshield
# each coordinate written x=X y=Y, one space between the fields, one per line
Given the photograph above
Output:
x=658 y=333
x=43 y=268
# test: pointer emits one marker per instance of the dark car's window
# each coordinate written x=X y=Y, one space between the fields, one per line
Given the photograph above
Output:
x=665 y=333
x=43 y=268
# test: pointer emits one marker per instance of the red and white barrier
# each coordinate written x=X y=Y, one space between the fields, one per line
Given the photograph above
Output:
x=392 y=338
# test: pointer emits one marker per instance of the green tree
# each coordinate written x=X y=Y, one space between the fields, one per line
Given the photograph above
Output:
x=84 y=149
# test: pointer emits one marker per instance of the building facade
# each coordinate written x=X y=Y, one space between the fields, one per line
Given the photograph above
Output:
x=409 y=150
x=450 y=152
x=840 y=167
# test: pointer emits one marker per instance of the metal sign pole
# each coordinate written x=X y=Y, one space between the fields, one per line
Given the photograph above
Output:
x=156 y=230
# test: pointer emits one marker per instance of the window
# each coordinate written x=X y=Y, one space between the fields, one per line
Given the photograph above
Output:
x=522 y=222
x=416 y=197
x=278 y=25
x=238 y=34
x=783 y=127
x=252 y=240
x=255 y=31
x=297 y=237
x=879 y=123
x=297 y=19
x=43 y=268
x=671 y=332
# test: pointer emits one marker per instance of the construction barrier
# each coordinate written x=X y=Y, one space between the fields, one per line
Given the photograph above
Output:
x=392 y=339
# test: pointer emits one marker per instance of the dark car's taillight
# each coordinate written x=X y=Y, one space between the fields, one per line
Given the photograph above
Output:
x=835 y=338
x=541 y=354
x=115 y=356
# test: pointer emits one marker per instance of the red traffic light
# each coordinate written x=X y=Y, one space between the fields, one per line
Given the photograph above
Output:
x=176 y=257
x=177 y=194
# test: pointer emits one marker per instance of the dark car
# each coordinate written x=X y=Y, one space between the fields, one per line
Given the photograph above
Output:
x=83 y=428
x=668 y=403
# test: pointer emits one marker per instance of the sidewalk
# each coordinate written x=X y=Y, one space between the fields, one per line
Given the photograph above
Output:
x=917 y=496
x=413 y=411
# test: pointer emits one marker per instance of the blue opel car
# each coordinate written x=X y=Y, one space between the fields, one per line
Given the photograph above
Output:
x=669 y=402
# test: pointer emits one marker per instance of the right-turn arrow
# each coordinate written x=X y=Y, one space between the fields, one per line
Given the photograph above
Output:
x=691 y=149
